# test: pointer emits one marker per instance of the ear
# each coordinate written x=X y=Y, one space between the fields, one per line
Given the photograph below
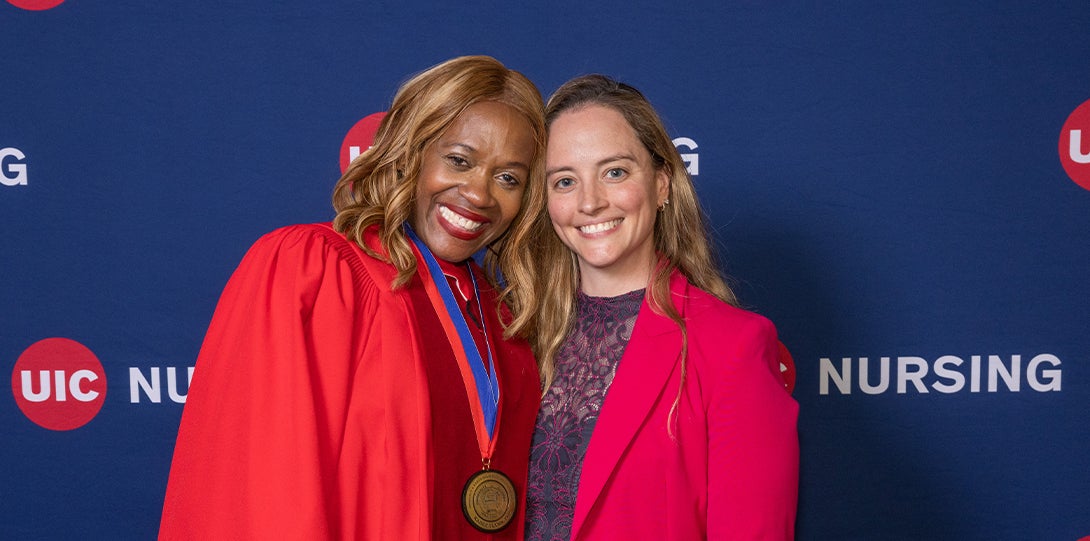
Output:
x=662 y=185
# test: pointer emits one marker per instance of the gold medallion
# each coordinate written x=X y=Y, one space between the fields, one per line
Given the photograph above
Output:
x=489 y=501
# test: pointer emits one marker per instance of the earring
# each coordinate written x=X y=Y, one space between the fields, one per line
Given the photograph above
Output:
x=664 y=203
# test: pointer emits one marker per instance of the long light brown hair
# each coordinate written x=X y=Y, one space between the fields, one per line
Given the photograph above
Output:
x=379 y=187
x=547 y=293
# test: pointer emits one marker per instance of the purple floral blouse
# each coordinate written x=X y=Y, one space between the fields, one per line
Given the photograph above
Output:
x=585 y=365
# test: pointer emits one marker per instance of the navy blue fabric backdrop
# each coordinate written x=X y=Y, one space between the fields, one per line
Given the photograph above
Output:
x=883 y=179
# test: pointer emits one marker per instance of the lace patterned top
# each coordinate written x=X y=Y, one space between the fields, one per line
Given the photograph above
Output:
x=585 y=365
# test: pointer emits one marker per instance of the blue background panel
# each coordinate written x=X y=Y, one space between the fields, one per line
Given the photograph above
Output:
x=882 y=179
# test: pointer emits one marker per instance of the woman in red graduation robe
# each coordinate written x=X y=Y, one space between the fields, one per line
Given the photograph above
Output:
x=355 y=382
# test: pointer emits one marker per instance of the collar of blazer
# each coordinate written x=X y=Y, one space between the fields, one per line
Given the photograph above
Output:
x=648 y=362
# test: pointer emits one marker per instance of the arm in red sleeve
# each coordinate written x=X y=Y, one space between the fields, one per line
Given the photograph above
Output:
x=258 y=446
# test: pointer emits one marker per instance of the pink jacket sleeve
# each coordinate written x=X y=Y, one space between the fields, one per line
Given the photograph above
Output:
x=753 y=446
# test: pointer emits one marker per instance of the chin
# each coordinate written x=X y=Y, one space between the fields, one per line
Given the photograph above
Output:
x=455 y=252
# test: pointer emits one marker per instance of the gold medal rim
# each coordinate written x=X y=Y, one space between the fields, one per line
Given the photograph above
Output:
x=473 y=518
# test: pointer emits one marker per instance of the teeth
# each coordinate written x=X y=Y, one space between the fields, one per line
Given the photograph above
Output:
x=598 y=228
x=458 y=219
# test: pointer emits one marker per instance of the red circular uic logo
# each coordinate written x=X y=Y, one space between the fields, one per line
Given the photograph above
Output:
x=59 y=384
x=787 y=368
x=36 y=5
x=359 y=138
x=1075 y=145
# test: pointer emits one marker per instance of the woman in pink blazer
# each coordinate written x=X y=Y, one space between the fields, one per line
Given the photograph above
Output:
x=664 y=414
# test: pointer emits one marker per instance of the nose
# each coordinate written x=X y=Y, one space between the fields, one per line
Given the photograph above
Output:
x=477 y=189
x=591 y=198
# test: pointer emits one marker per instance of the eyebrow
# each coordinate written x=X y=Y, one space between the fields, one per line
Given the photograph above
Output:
x=470 y=149
x=465 y=146
x=603 y=161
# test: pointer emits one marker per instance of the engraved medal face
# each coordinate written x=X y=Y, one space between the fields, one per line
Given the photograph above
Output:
x=489 y=501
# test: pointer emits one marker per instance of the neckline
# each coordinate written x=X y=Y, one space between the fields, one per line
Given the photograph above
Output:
x=634 y=294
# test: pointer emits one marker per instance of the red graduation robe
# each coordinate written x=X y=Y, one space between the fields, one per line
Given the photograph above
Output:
x=324 y=405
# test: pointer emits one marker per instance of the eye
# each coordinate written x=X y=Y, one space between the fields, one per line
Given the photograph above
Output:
x=563 y=183
x=508 y=180
x=457 y=161
x=615 y=173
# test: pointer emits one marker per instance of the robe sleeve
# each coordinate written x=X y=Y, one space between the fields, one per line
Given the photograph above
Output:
x=753 y=455
x=257 y=449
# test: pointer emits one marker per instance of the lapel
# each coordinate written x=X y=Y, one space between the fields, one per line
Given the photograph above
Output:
x=649 y=359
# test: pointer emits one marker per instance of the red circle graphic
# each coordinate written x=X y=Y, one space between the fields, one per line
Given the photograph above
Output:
x=36 y=5
x=359 y=138
x=59 y=384
x=1075 y=145
x=787 y=368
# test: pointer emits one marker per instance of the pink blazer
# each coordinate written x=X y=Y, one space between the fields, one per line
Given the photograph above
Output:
x=730 y=468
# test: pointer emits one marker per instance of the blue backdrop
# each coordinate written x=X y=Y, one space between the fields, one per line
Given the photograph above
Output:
x=883 y=179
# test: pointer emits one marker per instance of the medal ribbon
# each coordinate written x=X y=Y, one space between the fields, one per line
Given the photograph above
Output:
x=474 y=374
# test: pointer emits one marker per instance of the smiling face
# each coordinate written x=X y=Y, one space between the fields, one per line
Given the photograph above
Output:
x=604 y=191
x=471 y=180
